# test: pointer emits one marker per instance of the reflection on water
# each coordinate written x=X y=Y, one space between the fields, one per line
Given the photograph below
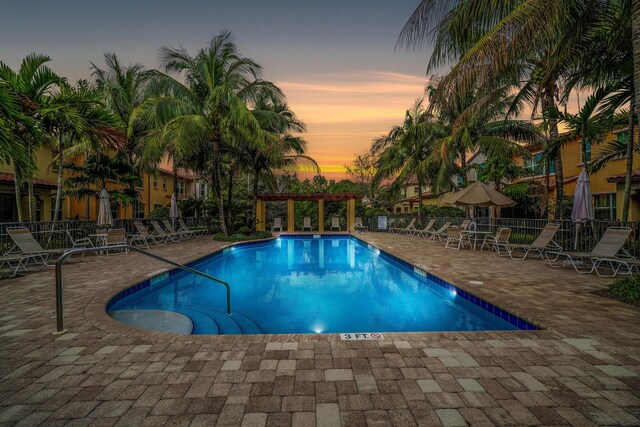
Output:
x=320 y=285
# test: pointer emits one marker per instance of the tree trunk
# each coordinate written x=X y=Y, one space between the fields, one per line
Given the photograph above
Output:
x=548 y=102
x=174 y=173
x=17 y=183
x=420 y=199
x=635 y=35
x=56 y=210
x=629 y=168
x=215 y=180
x=230 y=199
x=32 y=208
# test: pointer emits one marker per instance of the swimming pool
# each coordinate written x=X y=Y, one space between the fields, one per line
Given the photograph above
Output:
x=314 y=284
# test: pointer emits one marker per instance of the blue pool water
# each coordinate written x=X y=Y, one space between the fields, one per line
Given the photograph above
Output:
x=321 y=285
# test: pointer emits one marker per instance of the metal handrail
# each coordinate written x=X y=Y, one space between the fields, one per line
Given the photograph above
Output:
x=59 y=309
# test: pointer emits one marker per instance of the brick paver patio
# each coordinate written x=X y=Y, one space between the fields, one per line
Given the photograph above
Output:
x=582 y=369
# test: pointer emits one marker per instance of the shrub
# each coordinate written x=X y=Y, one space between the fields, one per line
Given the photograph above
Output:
x=626 y=289
x=244 y=230
x=433 y=211
x=237 y=237
x=159 y=213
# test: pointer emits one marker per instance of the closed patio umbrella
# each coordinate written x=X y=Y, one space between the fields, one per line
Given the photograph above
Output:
x=104 y=210
x=582 y=203
x=173 y=212
x=479 y=194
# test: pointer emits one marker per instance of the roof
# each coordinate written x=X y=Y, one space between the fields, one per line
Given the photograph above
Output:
x=329 y=197
x=621 y=177
x=181 y=173
x=9 y=177
x=413 y=199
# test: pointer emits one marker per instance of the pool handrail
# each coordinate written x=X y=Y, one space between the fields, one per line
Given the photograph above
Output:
x=59 y=306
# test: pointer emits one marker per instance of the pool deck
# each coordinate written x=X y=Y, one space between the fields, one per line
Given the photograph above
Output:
x=583 y=368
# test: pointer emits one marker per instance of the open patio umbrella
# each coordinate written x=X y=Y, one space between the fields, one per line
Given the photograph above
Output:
x=173 y=212
x=104 y=210
x=479 y=194
x=582 y=203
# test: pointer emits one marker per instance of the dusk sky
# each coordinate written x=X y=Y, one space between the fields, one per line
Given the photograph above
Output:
x=334 y=59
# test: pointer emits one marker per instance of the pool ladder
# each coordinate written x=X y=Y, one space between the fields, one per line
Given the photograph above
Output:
x=59 y=306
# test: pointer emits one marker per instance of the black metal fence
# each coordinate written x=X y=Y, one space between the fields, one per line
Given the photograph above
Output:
x=59 y=234
x=571 y=236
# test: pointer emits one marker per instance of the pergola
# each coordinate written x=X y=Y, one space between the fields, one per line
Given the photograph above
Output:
x=261 y=207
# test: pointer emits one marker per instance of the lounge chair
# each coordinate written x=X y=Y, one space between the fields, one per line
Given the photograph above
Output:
x=465 y=224
x=440 y=233
x=306 y=224
x=456 y=238
x=357 y=226
x=501 y=239
x=277 y=223
x=335 y=223
x=409 y=228
x=115 y=237
x=425 y=230
x=544 y=242
x=607 y=247
x=196 y=232
x=143 y=237
x=158 y=231
x=28 y=245
x=184 y=235
x=17 y=261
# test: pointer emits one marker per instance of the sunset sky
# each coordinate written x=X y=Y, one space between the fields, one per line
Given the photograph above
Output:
x=334 y=59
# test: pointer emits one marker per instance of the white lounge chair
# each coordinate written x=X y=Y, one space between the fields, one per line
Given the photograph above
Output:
x=407 y=229
x=544 y=242
x=143 y=237
x=184 y=235
x=158 y=231
x=335 y=223
x=427 y=229
x=440 y=233
x=28 y=245
x=277 y=223
x=196 y=232
x=306 y=224
x=456 y=238
x=607 y=247
x=19 y=261
x=81 y=242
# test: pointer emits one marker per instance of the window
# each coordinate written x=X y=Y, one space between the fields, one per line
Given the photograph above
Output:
x=586 y=151
x=138 y=210
x=204 y=191
x=536 y=165
x=155 y=181
x=604 y=206
x=114 y=210
x=7 y=208
x=164 y=183
x=180 y=187
x=415 y=189
x=406 y=209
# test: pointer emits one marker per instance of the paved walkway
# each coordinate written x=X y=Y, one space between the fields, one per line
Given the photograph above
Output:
x=583 y=369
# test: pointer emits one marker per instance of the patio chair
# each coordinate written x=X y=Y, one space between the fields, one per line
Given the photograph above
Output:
x=158 y=231
x=335 y=223
x=358 y=226
x=607 y=247
x=440 y=233
x=277 y=223
x=81 y=242
x=465 y=224
x=17 y=261
x=501 y=239
x=540 y=245
x=115 y=237
x=196 y=232
x=456 y=238
x=306 y=223
x=427 y=229
x=28 y=245
x=184 y=235
x=407 y=229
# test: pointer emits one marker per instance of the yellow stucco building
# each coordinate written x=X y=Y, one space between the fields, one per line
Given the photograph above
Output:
x=155 y=192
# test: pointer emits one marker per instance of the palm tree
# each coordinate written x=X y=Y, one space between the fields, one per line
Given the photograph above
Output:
x=30 y=85
x=76 y=122
x=10 y=114
x=203 y=116
x=488 y=38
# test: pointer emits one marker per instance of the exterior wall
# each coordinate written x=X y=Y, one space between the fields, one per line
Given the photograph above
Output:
x=149 y=194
